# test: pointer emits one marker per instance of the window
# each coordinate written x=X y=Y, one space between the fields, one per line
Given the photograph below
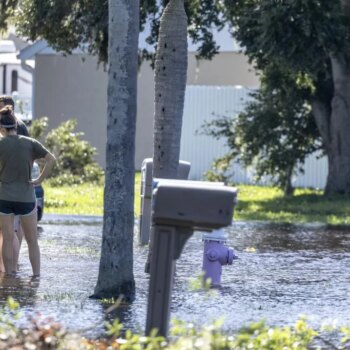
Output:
x=14 y=81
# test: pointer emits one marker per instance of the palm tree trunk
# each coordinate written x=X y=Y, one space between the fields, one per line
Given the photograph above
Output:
x=116 y=264
x=170 y=85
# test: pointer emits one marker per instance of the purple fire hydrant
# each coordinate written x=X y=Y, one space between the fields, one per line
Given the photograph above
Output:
x=215 y=255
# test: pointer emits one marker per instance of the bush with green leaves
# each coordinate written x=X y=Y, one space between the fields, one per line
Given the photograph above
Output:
x=38 y=127
x=44 y=334
x=220 y=170
x=275 y=132
x=75 y=156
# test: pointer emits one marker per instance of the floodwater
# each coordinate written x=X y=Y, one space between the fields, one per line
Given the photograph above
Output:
x=283 y=272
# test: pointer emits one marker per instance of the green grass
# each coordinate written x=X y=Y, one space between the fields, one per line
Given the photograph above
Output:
x=83 y=199
x=86 y=199
x=254 y=203
x=306 y=206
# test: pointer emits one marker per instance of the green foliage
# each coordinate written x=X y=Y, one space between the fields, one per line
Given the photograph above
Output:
x=92 y=173
x=275 y=132
x=75 y=157
x=260 y=336
x=38 y=128
x=300 y=38
x=85 y=22
x=8 y=316
x=201 y=283
x=220 y=170
x=297 y=34
x=7 y=9
x=257 y=336
x=75 y=163
x=183 y=336
x=132 y=341
x=71 y=152
x=75 y=23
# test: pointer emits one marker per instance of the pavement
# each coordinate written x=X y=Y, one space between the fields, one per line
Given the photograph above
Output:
x=71 y=219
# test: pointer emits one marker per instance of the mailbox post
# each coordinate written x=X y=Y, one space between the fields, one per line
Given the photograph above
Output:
x=179 y=208
x=146 y=195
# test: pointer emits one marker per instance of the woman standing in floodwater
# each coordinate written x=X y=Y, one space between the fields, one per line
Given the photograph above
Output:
x=17 y=196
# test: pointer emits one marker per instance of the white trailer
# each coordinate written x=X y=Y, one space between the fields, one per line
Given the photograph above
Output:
x=16 y=78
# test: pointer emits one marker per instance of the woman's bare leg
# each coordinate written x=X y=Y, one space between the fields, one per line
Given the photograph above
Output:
x=17 y=240
x=6 y=222
x=2 y=267
x=15 y=247
x=29 y=226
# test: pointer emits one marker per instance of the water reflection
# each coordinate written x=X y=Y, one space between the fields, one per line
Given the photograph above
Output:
x=23 y=288
x=292 y=270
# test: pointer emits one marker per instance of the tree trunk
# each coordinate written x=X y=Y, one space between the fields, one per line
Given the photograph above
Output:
x=116 y=264
x=338 y=180
x=170 y=85
x=333 y=121
x=288 y=189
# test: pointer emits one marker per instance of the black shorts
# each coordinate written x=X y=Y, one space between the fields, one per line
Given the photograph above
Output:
x=17 y=208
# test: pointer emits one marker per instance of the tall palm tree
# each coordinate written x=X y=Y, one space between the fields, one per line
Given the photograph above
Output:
x=116 y=264
x=170 y=84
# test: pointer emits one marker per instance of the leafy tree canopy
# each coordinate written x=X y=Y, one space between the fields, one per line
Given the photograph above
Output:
x=310 y=39
x=67 y=24
x=275 y=132
x=299 y=35
x=268 y=29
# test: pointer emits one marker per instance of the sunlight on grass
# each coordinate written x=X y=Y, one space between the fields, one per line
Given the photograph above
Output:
x=86 y=199
x=77 y=199
x=307 y=205
x=254 y=203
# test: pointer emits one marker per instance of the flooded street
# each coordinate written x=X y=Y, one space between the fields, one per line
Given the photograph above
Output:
x=283 y=272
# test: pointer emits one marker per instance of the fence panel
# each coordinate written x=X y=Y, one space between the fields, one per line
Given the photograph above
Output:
x=203 y=104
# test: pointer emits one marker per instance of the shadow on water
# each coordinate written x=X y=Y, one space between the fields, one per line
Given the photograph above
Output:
x=283 y=271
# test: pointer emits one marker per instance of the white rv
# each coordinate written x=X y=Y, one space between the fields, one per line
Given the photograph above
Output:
x=16 y=78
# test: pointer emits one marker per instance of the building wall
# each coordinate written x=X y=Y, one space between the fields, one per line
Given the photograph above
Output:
x=226 y=68
x=70 y=87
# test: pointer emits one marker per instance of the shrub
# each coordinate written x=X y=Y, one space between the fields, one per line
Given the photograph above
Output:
x=75 y=157
x=38 y=128
x=219 y=171
x=44 y=334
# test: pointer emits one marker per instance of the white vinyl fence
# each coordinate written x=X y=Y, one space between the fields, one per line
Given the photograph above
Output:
x=204 y=103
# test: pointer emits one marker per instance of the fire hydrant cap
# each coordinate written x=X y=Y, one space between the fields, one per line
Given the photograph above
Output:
x=212 y=254
x=218 y=235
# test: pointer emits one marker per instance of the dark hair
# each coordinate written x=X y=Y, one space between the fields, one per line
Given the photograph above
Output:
x=7 y=100
x=7 y=118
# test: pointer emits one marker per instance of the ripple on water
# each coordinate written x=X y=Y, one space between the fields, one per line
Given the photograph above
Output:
x=292 y=270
